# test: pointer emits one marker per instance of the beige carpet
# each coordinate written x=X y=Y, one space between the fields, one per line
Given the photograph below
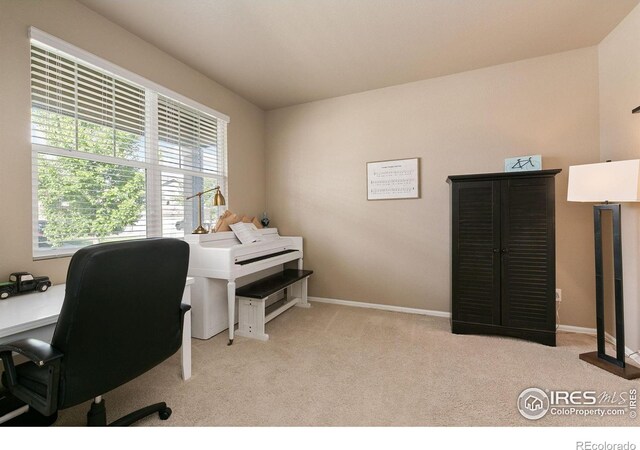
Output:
x=335 y=365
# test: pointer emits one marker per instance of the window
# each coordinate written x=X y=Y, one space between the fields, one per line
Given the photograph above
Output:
x=114 y=155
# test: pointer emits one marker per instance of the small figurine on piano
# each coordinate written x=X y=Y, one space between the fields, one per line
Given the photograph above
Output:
x=265 y=220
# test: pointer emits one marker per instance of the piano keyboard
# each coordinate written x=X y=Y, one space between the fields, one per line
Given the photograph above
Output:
x=260 y=258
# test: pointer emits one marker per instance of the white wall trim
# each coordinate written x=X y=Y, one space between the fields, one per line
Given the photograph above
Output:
x=627 y=350
x=429 y=312
x=572 y=329
x=403 y=309
x=609 y=338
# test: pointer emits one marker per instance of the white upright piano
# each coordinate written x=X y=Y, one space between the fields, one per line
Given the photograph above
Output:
x=219 y=263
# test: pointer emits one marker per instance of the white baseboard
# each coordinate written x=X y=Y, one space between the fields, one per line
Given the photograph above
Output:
x=403 y=309
x=428 y=312
x=610 y=339
x=572 y=329
x=630 y=353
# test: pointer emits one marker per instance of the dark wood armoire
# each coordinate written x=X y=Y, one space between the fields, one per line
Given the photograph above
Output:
x=504 y=254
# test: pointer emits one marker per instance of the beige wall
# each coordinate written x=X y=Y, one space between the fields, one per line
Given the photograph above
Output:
x=391 y=252
x=82 y=27
x=619 y=67
x=398 y=252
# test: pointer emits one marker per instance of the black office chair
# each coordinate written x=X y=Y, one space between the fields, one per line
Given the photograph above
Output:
x=122 y=315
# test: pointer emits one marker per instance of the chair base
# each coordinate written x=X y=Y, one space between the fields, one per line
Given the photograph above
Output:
x=97 y=415
x=12 y=415
x=31 y=418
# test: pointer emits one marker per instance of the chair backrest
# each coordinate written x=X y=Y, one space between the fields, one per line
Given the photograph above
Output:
x=121 y=314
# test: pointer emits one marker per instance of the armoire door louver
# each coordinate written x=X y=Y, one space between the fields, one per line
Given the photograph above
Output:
x=478 y=230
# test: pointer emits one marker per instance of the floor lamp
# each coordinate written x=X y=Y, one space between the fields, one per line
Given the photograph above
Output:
x=603 y=183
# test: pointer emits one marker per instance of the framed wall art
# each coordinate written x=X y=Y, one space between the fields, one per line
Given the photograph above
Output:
x=393 y=179
x=523 y=163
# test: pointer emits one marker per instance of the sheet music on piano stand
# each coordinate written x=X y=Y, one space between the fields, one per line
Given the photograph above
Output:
x=246 y=233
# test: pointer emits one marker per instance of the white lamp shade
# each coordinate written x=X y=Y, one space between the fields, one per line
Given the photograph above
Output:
x=616 y=181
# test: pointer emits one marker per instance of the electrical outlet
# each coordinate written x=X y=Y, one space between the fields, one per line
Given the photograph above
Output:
x=558 y=295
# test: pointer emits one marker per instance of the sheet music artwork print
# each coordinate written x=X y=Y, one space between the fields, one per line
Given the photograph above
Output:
x=392 y=179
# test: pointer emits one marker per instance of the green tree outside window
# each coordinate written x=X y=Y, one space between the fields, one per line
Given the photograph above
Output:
x=82 y=199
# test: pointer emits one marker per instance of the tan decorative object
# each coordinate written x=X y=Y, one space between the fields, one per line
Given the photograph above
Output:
x=228 y=218
x=220 y=225
x=232 y=218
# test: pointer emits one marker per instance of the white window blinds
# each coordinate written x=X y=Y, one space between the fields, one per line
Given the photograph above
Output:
x=76 y=107
x=191 y=151
x=189 y=140
x=114 y=159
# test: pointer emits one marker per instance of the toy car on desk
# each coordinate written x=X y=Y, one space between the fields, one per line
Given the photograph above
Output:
x=23 y=282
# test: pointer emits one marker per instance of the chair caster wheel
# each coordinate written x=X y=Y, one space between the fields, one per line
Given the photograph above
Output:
x=165 y=413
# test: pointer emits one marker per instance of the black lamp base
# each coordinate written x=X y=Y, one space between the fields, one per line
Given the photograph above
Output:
x=629 y=371
x=615 y=365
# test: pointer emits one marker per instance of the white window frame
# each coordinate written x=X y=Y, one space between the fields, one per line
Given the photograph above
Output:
x=150 y=164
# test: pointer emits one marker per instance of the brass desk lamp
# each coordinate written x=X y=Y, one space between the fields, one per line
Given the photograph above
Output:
x=218 y=200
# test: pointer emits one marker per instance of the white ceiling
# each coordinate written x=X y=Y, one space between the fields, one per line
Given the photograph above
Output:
x=282 y=52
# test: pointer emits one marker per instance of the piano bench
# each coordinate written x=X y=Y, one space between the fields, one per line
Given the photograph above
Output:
x=253 y=314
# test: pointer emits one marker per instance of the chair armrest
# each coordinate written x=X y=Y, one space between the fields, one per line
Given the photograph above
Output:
x=37 y=351
x=47 y=358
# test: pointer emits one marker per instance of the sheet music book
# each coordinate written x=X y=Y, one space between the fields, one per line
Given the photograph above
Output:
x=246 y=232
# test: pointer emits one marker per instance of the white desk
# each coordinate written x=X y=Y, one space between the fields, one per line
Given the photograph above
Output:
x=35 y=316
